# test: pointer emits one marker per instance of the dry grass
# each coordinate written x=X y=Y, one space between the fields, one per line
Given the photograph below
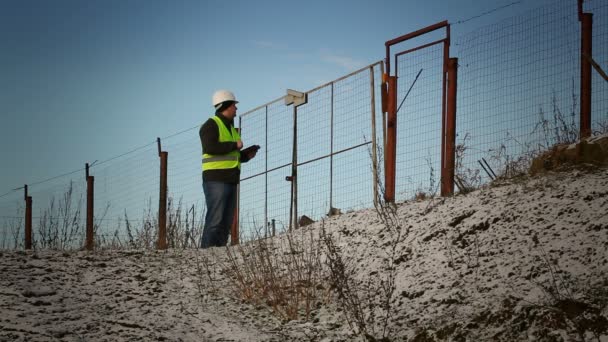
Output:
x=13 y=235
x=61 y=224
x=285 y=274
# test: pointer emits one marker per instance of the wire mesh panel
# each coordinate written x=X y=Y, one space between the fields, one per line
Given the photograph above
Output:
x=336 y=125
x=334 y=133
x=252 y=202
x=419 y=121
x=518 y=89
x=59 y=212
x=279 y=199
x=185 y=198
x=353 y=186
x=126 y=199
x=279 y=135
x=352 y=111
x=279 y=153
x=313 y=189
x=253 y=187
x=314 y=142
x=314 y=125
x=264 y=195
x=12 y=220
x=253 y=132
x=352 y=181
x=599 y=102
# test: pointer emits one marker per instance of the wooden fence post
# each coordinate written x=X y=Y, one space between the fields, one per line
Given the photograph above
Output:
x=390 y=159
x=449 y=164
x=162 y=199
x=90 y=209
x=28 y=220
x=586 y=49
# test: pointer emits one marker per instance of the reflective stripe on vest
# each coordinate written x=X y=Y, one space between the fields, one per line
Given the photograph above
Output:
x=223 y=161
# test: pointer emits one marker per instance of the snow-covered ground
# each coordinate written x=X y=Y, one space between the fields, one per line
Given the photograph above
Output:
x=522 y=260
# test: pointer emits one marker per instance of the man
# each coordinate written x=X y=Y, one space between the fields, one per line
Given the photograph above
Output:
x=222 y=158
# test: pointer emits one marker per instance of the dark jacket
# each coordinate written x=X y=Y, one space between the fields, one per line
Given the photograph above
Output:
x=210 y=142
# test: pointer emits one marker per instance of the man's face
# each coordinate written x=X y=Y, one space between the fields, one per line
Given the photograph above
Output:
x=230 y=112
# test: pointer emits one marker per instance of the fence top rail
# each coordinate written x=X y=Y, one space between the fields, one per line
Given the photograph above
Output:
x=314 y=89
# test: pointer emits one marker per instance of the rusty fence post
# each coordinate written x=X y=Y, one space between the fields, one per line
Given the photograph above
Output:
x=28 y=220
x=448 y=164
x=90 y=209
x=234 y=229
x=586 y=50
x=390 y=160
x=162 y=199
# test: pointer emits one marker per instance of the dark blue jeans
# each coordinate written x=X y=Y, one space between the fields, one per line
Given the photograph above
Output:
x=221 y=201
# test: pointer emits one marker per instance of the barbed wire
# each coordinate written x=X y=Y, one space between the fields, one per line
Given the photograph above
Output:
x=95 y=163
x=10 y=192
x=486 y=13
x=126 y=153
x=180 y=132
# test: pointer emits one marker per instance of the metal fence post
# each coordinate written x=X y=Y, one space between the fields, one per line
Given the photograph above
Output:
x=295 y=98
x=234 y=229
x=266 y=169
x=390 y=159
x=90 y=209
x=383 y=100
x=294 y=168
x=331 y=151
x=162 y=199
x=374 y=147
x=449 y=140
x=28 y=220
x=586 y=20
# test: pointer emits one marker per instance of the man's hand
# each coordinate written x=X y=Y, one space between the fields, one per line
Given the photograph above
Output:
x=251 y=151
x=239 y=145
x=252 y=154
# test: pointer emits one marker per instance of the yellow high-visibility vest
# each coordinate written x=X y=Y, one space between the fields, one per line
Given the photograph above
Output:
x=223 y=161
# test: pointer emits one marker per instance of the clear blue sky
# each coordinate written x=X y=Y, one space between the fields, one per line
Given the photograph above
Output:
x=88 y=80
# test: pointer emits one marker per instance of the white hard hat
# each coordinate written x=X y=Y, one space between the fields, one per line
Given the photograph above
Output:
x=223 y=96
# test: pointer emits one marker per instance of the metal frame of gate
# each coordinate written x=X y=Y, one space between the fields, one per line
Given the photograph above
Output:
x=448 y=110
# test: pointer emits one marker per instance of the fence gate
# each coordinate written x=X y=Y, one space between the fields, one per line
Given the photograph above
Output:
x=417 y=95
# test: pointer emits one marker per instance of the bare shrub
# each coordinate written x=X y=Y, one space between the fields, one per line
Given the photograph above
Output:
x=145 y=235
x=602 y=127
x=559 y=128
x=343 y=283
x=60 y=225
x=12 y=237
x=284 y=274
x=465 y=178
x=367 y=304
x=183 y=230
x=556 y=129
